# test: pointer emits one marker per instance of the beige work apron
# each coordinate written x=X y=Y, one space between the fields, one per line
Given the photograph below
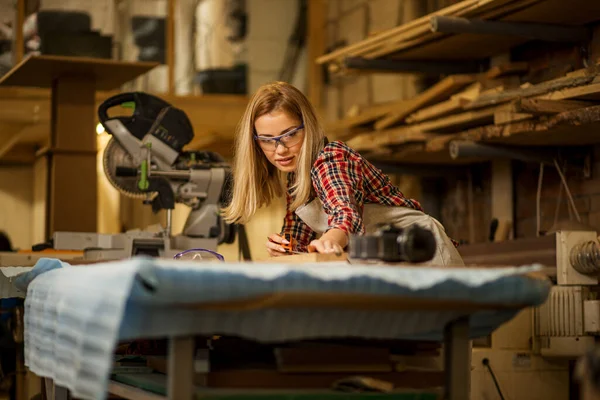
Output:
x=375 y=215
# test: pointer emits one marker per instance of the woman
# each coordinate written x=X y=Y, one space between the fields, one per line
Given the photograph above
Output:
x=331 y=190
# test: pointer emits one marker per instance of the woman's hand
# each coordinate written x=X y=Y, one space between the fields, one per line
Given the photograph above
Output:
x=325 y=247
x=274 y=247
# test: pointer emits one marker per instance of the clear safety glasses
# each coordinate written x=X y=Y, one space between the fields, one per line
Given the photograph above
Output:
x=199 y=255
x=288 y=139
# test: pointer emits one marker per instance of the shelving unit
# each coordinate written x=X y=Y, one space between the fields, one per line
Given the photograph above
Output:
x=481 y=106
x=73 y=82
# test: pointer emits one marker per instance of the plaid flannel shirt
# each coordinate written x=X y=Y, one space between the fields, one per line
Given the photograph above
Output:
x=344 y=181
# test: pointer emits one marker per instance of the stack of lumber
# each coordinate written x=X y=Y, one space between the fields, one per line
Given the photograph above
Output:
x=489 y=107
x=418 y=39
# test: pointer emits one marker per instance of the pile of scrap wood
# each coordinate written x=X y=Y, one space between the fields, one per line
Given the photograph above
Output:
x=492 y=106
x=421 y=38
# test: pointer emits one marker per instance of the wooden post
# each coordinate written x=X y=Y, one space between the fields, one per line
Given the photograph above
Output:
x=457 y=359
x=317 y=16
x=19 y=41
x=170 y=44
x=72 y=199
x=180 y=375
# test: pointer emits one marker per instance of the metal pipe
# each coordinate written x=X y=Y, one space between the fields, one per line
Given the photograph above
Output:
x=467 y=148
x=172 y=174
x=421 y=67
x=585 y=257
x=169 y=222
x=532 y=31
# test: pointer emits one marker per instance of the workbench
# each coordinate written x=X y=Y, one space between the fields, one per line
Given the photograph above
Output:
x=75 y=315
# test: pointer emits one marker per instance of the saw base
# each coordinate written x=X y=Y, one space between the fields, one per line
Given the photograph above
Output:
x=100 y=247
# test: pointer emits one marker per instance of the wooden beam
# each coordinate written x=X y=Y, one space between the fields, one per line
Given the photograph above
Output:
x=317 y=42
x=20 y=154
x=72 y=192
x=437 y=110
x=19 y=41
x=440 y=91
x=170 y=44
x=7 y=145
x=512 y=68
x=547 y=107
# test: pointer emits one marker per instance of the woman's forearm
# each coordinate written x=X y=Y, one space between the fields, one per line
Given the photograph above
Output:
x=337 y=236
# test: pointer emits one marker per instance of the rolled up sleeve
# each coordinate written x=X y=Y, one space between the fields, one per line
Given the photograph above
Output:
x=337 y=178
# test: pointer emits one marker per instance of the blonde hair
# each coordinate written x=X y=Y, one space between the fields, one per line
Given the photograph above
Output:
x=256 y=182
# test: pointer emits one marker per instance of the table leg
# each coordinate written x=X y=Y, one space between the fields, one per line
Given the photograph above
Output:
x=457 y=359
x=61 y=393
x=20 y=370
x=181 y=368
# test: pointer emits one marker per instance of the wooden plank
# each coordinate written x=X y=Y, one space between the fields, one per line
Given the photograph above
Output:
x=425 y=131
x=437 y=110
x=374 y=141
x=458 y=121
x=440 y=91
x=507 y=69
x=41 y=71
x=363 y=142
x=547 y=107
x=574 y=127
x=400 y=136
x=366 y=116
x=502 y=117
x=493 y=10
x=534 y=90
x=473 y=46
x=439 y=143
x=376 y=39
x=588 y=92
x=170 y=45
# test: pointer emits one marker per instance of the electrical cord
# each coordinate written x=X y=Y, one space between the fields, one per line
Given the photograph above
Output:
x=538 y=201
x=486 y=363
x=567 y=191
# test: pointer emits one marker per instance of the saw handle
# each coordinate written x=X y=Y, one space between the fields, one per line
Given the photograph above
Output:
x=114 y=101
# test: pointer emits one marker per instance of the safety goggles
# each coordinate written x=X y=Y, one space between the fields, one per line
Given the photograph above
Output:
x=199 y=255
x=288 y=139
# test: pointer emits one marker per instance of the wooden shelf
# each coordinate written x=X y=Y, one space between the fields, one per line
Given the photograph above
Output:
x=25 y=119
x=416 y=41
x=42 y=71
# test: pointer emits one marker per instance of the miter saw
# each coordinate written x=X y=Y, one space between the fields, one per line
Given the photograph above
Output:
x=145 y=160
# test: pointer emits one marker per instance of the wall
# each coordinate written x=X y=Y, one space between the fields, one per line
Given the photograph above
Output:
x=585 y=192
x=270 y=24
x=16 y=197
